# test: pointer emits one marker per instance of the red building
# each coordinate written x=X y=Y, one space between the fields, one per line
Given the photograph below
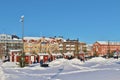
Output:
x=102 y=48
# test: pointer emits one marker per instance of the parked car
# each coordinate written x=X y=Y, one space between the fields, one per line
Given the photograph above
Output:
x=116 y=55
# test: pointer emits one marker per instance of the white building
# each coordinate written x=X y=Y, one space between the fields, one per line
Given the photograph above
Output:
x=9 y=42
x=5 y=37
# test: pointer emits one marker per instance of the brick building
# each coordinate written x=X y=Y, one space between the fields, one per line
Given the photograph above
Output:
x=102 y=48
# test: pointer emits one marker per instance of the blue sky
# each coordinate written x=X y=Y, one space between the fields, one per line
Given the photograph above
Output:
x=88 y=20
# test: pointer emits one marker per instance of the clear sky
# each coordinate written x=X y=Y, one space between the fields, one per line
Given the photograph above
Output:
x=88 y=20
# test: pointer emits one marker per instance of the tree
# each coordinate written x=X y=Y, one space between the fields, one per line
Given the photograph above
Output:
x=95 y=54
x=22 y=62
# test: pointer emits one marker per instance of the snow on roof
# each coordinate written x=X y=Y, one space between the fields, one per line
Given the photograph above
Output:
x=103 y=42
x=47 y=38
x=56 y=54
x=43 y=38
x=29 y=38
x=69 y=54
x=15 y=50
x=27 y=53
x=109 y=42
x=61 y=39
x=89 y=45
x=43 y=54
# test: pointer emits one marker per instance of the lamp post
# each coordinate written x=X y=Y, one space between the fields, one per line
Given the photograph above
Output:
x=22 y=20
x=22 y=59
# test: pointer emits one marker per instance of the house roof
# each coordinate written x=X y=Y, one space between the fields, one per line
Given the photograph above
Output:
x=102 y=42
x=29 y=38
x=108 y=42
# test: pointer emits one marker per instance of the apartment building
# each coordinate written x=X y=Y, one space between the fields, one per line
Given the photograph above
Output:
x=41 y=44
x=105 y=47
x=9 y=42
x=72 y=46
x=89 y=50
x=52 y=45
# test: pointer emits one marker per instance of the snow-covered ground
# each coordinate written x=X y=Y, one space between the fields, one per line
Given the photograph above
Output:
x=61 y=69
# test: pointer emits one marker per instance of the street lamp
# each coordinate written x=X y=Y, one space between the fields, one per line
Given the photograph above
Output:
x=22 y=59
x=22 y=20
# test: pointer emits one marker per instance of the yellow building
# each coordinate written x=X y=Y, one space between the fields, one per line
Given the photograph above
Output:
x=41 y=45
x=31 y=45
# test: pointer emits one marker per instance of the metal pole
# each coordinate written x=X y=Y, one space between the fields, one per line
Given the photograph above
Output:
x=22 y=17
x=22 y=63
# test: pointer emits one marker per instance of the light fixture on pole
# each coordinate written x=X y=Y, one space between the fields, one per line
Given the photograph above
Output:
x=22 y=20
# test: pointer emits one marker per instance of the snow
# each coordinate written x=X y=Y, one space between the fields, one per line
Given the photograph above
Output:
x=46 y=38
x=15 y=50
x=34 y=38
x=97 y=68
x=109 y=42
x=56 y=54
x=42 y=54
x=97 y=59
x=103 y=42
x=9 y=64
x=69 y=54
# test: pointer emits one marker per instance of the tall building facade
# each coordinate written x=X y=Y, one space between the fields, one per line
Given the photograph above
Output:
x=73 y=46
x=9 y=42
x=89 y=50
x=52 y=45
x=35 y=45
x=41 y=44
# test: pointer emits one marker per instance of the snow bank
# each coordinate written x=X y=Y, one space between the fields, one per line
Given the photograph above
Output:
x=76 y=61
x=2 y=75
x=34 y=67
x=63 y=69
x=57 y=62
x=10 y=64
x=66 y=64
x=62 y=61
x=0 y=62
x=103 y=61
x=97 y=59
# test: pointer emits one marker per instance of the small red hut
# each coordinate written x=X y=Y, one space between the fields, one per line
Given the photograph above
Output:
x=81 y=55
x=54 y=56
x=15 y=55
x=43 y=56
x=68 y=55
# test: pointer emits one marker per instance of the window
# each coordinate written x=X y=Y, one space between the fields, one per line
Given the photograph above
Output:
x=8 y=37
